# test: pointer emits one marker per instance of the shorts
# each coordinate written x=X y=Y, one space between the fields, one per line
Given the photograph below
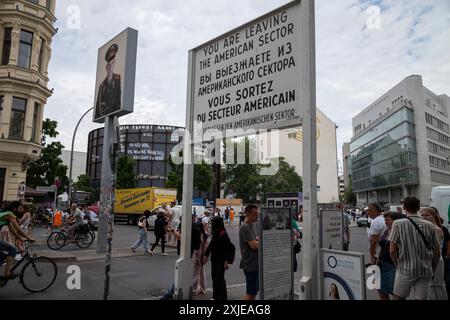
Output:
x=387 y=278
x=252 y=282
x=403 y=285
x=6 y=250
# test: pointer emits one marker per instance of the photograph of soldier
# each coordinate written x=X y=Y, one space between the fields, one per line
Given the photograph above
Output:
x=109 y=92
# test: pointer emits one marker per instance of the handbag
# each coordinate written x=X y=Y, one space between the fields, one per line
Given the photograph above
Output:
x=297 y=247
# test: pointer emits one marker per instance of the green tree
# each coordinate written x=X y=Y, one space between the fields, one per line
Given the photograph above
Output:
x=84 y=184
x=285 y=180
x=244 y=180
x=203 y=178
x=126 y=177
x=349 y=197
x=45 y=170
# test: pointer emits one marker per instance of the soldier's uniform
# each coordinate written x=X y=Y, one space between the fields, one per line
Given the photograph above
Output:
x=110 y=92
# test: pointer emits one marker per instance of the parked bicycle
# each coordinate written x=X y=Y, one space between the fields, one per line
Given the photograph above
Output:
x=37 y=274
x=58 y=239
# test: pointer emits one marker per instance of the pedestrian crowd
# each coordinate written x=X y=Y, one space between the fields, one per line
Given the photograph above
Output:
x=412 y=250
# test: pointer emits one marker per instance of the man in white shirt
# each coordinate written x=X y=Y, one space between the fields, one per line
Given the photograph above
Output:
x=205 y=221
x=376 y=230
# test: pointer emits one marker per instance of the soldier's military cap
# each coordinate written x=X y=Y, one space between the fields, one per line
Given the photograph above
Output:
x=111 y=53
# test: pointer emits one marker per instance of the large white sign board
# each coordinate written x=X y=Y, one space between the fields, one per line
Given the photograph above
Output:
x=331 y=229
x=276 y=254
x=343 y=275
x=250 y=78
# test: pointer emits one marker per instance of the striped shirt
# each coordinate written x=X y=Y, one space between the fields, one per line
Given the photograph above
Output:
x=414 y=258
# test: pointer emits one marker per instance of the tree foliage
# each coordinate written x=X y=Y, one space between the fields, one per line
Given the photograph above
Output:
x=126 y=177
x=45 y=170
x=349 y=197
x=246 y=180
x=203 y=177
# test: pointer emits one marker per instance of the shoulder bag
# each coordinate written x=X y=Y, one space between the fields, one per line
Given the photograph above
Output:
x=420 y=233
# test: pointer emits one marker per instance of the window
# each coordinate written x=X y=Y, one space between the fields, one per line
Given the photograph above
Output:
x=6 y=46
x=41 y=57
x=17 y=123
x=435 y=122
x=436 y=135
x=48 y=5
x=37 y=108
x=440 y=177
x=34 y=1
x=26 y=43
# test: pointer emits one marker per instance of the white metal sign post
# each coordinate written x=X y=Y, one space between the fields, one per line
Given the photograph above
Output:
x=260 y=76
x=309 y=284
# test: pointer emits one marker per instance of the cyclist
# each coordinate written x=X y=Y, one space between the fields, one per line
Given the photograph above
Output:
x=7 y=251
x=76 y=217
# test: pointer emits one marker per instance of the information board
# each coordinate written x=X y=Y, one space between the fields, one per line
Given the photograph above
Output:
x=276 y=268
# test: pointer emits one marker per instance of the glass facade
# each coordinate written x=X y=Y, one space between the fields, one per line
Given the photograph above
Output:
x=386 y=155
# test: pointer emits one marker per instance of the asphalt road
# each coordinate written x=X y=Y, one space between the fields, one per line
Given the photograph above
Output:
x=141 y=277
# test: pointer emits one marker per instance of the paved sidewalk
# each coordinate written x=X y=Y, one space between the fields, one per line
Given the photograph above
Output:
x=71 y=252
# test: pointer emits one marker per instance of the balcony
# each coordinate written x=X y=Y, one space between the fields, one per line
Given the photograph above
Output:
x=29 y=10
x=18 y=150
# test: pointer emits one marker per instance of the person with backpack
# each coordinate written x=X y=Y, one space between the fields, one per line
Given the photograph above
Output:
x=143 y=227
x=200 y=240
x=160 y=233
x=222 y=252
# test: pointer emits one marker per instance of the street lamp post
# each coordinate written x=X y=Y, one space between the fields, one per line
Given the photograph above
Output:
x=71 y=153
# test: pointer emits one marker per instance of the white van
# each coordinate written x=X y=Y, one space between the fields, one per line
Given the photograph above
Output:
x=440 y=199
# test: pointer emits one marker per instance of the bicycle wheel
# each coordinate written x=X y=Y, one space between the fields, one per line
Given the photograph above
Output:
x=38 y=274
x=84 y=241
x=56 y=240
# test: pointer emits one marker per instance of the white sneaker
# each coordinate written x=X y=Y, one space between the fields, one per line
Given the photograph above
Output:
x=150 y=252
x=18 y=257
x=164 y=254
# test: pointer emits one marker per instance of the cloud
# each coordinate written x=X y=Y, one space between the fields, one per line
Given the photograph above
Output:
x=355 y=64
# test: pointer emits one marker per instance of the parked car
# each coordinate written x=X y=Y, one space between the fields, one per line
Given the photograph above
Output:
x=94 y=220
x=362 y=222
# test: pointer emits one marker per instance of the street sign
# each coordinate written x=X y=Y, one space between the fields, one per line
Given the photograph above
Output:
x=46 y=189
x=250 y=78
x=261 y=76
x=276 y=265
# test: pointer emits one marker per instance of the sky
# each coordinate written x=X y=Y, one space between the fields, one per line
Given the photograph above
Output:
x=363 y=49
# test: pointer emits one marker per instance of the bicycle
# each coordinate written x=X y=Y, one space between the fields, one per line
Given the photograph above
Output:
x=36 y=270
x=58 y=239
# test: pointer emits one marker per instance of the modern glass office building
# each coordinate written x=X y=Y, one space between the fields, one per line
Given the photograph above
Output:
x=386 y=155
x=401 y=145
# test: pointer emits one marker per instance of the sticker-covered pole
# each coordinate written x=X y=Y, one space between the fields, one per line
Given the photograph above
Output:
x=311 y=248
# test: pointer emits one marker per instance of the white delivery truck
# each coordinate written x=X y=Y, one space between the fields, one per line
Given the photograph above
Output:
x=440 y=199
